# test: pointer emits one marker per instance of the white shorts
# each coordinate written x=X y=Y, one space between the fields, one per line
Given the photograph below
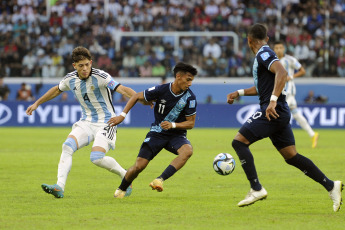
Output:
x=291 y=101
x=102 y=135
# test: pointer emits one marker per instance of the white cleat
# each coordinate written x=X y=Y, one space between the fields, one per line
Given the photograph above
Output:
x=335 y=195
x=252 y=197
x=119 y=193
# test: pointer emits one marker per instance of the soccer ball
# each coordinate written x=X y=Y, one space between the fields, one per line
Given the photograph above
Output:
x=224 y=164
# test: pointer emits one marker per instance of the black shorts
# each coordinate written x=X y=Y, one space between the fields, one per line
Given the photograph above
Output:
x=155 y=142
x=278 y=130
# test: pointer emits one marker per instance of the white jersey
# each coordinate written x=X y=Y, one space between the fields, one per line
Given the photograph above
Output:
x=93 y=94
x=291 y=65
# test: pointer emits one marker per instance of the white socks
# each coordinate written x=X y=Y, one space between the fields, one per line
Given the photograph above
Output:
x=303 y=123
x=65 y=165
x=110 y=164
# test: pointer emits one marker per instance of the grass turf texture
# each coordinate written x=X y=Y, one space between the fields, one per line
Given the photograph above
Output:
x=194 y=198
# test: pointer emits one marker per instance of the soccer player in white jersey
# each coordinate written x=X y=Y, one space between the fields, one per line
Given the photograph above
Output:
x=294 y=69
x=92 y=88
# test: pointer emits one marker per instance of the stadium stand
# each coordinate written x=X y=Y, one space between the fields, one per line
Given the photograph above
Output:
x=36 y=40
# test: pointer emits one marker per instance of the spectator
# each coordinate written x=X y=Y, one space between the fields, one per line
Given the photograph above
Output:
x=83 y=7
x=29 y=61
x=158 y=70
x=4 y=90
x=341 y=66
x=310 y=98
x=213 y=49
x=145 y=70
x=24 y=93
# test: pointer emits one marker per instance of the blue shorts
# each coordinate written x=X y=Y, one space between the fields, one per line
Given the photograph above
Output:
x=278 y=130
x=155 y=142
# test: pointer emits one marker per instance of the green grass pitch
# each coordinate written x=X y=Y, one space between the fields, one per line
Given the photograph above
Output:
x=194 y=198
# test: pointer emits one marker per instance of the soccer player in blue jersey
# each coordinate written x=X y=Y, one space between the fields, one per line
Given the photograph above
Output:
x=174 y=113
x=294 y=70
x=272 y=120
x=92 y=88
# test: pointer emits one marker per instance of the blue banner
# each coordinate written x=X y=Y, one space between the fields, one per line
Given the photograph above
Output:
x=208 y=115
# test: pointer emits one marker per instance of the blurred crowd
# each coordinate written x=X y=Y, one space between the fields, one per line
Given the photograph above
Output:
x=36 y=44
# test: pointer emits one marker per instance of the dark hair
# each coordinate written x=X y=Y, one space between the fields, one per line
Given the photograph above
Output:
x=258 y=31
x=279 y=43
x=183 y=67
x=80 y=53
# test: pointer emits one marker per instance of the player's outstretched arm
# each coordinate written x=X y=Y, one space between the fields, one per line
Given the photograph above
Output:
x=50 y=94
x=134 y=99
x=129 y=92
x=188 y=124
x=244 y=92
x=125 y=91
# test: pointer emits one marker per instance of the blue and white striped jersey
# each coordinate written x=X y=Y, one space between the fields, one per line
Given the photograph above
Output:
x=93 y=94
x=291 y=65
x=170 y=107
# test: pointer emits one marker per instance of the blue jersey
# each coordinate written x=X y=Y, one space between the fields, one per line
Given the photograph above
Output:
x=170 y=107
x=263 y=77
x=93 y=94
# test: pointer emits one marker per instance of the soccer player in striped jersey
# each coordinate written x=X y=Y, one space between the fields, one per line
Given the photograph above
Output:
x=294 y=70
x=92 y=88
x=174 y=112
x=272 y=120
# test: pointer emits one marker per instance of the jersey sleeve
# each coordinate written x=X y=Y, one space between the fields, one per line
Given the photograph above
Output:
x=296 y=64
x=267 y=58
x=108 y=81
x=191 y=106
x=152 y=93
x=64 y=84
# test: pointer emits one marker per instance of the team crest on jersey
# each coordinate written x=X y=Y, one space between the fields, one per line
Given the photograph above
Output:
x=192 y=104
x=92 y=87
x=265 y=56
x=181 y=104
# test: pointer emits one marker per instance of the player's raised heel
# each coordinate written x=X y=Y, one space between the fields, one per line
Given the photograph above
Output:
x=253 y=196
x=335 y=195
x=54 y=189
x=314 y=140
x=119 y=193
x=157 y=184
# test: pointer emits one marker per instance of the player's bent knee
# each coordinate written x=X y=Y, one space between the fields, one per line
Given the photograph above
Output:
x=186 y=151
x=96 y=156
x=69 y=146
x=238 y=145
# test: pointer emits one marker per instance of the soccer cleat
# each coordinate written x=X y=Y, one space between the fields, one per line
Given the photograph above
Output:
x=55 y=190
x=119 y=193
x=335 y=195
x=157 y=184
x=314 y=140
x=129 y=190
x=252 y=197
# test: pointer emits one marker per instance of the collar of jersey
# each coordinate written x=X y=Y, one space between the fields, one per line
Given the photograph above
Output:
x=261 y=49
x=173 y=92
